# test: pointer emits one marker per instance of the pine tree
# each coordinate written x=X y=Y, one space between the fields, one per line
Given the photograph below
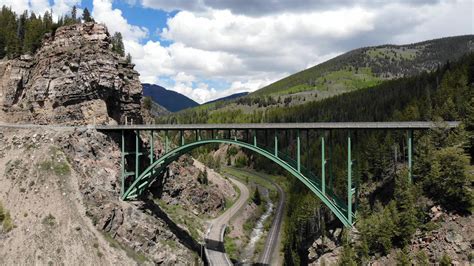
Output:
x=403 y=258
x=117 y=44
x=448 y=181
x=445 y=260
x=256 y=197
x=348 y=256
x=74 y=13
x=86 y=16
x=128 y=58
x=405 y=200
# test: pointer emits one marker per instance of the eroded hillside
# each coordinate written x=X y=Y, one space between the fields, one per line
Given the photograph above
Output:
x=60 y=188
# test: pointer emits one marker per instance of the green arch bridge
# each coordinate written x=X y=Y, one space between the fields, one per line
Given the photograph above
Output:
x=141 y=168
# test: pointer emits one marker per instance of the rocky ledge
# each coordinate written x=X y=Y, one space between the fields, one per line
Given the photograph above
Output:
x=74 y=78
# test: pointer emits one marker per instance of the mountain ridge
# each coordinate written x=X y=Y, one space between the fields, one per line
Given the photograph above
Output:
x=171 y=100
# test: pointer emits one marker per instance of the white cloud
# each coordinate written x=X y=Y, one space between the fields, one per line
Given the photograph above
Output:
x=59 y=7
x=113 y=18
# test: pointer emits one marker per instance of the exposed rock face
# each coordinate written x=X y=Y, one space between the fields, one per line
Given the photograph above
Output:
x=74 y=78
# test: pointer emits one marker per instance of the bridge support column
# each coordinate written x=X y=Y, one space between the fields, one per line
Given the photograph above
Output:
x=323 y=167
x=276 y=143
x=181 y=133
x=151 y=147
x=137 y=153
x=255 y=138
x=167 y=143
x=331 y=177
x=198 y=132
x=349 y=180
x=298 y=151
x=410 y=153
x=122 y=187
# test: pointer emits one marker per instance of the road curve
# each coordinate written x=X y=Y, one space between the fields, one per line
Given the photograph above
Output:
x=215 y=252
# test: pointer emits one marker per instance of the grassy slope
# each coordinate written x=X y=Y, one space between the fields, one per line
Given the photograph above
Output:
x=378 y=63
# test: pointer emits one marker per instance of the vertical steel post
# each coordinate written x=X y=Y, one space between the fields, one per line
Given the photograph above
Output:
x=323 y=167
x=410 y=153
x=212 y=133
x=235 y=134
x=255 y=138
x=122 y=187
x=167 y=143
x=151 y=147
x=298 y=151
x=331 y=176
x=266 y=137
x=137 y=154
x=349 y=180
x=308 y=152
x=276 y=144
x=182 y=137
x=199 y=135
x=152 y=152
x=230 y=135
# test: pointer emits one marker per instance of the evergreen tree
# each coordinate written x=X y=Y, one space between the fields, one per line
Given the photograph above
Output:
x=117 y=44
x=403 y=258
x=86 y=16
x=74 y=13
x=347 y=257
x=256 y=197
x=129 y=58
x=445 y=260
x=448 y=180
x=405 y=200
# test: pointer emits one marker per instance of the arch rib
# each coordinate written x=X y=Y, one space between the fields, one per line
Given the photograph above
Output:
x=145 y=178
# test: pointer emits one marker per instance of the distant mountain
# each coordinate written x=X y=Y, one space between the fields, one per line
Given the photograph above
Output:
x=357 y=69
x=369 y=66
x=171 y=100
x=230 y=97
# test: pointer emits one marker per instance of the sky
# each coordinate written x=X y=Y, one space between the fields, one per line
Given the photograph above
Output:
x=206 y=49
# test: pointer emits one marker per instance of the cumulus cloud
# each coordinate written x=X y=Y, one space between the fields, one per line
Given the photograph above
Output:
x=113 y=18
x=59 y=7
x=213 y=48
x=258 y=7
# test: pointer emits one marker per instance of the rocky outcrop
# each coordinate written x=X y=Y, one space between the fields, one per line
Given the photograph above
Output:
x=74 y=78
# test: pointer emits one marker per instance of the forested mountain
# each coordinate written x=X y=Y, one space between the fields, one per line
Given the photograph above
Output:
x=230 y=97
x=171 y=100
x=368 y=66
x=357 y=69
x=390 y=208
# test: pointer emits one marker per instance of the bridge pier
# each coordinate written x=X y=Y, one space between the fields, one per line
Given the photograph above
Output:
x=349 y=180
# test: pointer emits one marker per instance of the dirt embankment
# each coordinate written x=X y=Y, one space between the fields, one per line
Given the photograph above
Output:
x=62 y=191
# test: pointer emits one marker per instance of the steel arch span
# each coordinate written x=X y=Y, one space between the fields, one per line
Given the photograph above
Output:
x=136 y=180
x=152 y=171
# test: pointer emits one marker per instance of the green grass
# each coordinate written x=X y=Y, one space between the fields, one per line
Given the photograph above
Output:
x=49 y=220
x=230 y=246
x=179 y=215
x=57 y=163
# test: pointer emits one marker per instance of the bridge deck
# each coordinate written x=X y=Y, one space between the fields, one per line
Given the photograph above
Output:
x=331 y=125
x=325 y=125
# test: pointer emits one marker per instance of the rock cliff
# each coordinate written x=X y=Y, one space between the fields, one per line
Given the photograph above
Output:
x=74 y=78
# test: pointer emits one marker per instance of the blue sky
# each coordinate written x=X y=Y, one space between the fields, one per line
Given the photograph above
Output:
x=212 y=48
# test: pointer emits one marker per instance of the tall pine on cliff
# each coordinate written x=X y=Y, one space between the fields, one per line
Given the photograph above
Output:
x=22 y=34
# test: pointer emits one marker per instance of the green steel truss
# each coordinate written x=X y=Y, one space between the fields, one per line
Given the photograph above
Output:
x=133 y=184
